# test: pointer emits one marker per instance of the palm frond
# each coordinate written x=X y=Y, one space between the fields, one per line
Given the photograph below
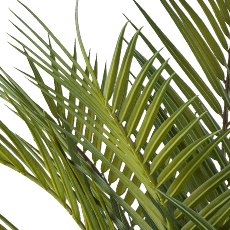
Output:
x=133 y=128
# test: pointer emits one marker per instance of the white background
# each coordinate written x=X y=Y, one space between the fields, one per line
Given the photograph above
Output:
x=24 y=203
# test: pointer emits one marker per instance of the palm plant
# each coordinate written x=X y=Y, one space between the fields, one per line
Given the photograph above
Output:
x=125 y=150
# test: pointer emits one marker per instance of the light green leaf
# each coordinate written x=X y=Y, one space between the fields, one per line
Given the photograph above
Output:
x=161 y=132
x=187 y=171
x=135 y=90
x=198 y=220
x=151 y=114
x=114 y=66
x=211 y=208
x=171 y=168
x=185 y=65
x=120 y=90
x=142 y=100
x=165 y=153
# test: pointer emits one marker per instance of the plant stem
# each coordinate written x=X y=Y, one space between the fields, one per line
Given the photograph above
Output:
x=86 y=159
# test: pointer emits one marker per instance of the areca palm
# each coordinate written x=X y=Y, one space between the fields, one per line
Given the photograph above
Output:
x=107 y=141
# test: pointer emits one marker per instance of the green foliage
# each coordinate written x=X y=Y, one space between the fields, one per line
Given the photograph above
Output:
x=107 y=141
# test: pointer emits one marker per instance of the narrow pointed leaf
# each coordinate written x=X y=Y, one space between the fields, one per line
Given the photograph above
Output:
x=171 y=168
x=142 y=100
x=151 y=115
x=160 y=133
x=123 y=75
x=193 y=165
x=134 y=92
x=199 y=221
x=189 y=70
x=165 y=152
x=113 y=70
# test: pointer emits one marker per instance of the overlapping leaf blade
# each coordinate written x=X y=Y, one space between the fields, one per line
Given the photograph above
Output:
x=105 y=122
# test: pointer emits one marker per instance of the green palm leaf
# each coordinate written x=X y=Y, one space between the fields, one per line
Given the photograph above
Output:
x=135 y=129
